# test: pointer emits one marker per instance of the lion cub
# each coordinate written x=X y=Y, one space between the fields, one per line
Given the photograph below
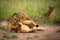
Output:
x=22 y=17
x=22 y=23
x=49 y=13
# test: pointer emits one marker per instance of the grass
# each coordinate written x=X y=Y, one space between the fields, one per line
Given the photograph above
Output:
x=2 y=27
x=7 y=36
x=14 y=36
x=33 y=8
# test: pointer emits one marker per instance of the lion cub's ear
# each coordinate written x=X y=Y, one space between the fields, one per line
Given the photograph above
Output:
x=14 y=14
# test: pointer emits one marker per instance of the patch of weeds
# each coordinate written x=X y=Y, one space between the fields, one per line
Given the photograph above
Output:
x=14 y=36
x=29 y=38
x=6 y=36
x=2 y=28
x=9 y=36
x=58 y=31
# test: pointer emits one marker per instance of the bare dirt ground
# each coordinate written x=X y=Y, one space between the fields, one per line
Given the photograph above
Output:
x=50 y=33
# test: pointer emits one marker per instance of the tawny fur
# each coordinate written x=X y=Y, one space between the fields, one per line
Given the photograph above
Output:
x=12 y=23
x=49 y=13
x=25 y=28
x=22 y=23
x=22 y=17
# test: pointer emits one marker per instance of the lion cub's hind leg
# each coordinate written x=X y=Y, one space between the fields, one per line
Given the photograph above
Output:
x=25 y=28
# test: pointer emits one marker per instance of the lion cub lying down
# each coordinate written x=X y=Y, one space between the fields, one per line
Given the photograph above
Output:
x=22 y=23
x=25 y=28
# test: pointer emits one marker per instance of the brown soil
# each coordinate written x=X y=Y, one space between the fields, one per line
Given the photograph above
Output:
x=50 y=33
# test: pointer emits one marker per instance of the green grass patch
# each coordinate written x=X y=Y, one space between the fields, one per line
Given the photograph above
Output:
x=9 y=36
x=2 y=27
x=14 y=36
x=33 y=8
x=6 y=36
